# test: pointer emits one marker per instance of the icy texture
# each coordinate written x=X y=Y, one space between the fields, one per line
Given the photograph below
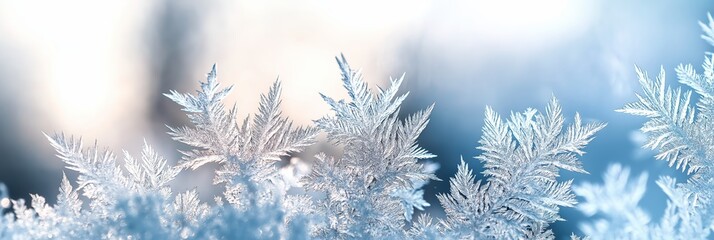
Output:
x=617 y=202
x=521 y=197
x=682 y=134
x=247 y=151
x=133 y=201
x=371 y=191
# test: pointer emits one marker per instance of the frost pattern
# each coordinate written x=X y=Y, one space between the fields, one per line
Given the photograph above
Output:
x=521 y=197
x=247 y=151
x=133 y=201
x=682 y=134
x=371 y=191
x=617 y=200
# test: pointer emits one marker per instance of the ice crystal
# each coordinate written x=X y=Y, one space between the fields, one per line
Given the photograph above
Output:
x=133 y=199
x=617 y=202
x=521 y=196
x=247 y=151
x=370 y=191
x=682 y=134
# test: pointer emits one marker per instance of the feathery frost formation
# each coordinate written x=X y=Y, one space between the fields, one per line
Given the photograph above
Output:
x=683 y=135
x=371 y=191
x=521 y=197
x=133 y=200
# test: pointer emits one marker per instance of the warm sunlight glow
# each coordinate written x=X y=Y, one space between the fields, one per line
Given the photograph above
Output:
x=83 y=72
x=517 y=23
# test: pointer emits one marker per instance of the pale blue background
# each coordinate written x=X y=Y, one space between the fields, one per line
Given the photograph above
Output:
x=453 y=57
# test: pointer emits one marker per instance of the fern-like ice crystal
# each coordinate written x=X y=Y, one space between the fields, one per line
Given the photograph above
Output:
x=683 y=133
x=522 y=158
x=370 y=191
x=133 y=200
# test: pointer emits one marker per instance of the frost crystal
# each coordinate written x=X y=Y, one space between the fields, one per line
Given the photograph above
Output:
x=247 y=151
x=617 y=201
x=371 y=191
x=133 y=201
x=683 y=136
x=522 y=157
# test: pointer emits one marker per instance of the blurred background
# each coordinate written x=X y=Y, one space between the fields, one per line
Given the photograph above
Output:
x=97 y=69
